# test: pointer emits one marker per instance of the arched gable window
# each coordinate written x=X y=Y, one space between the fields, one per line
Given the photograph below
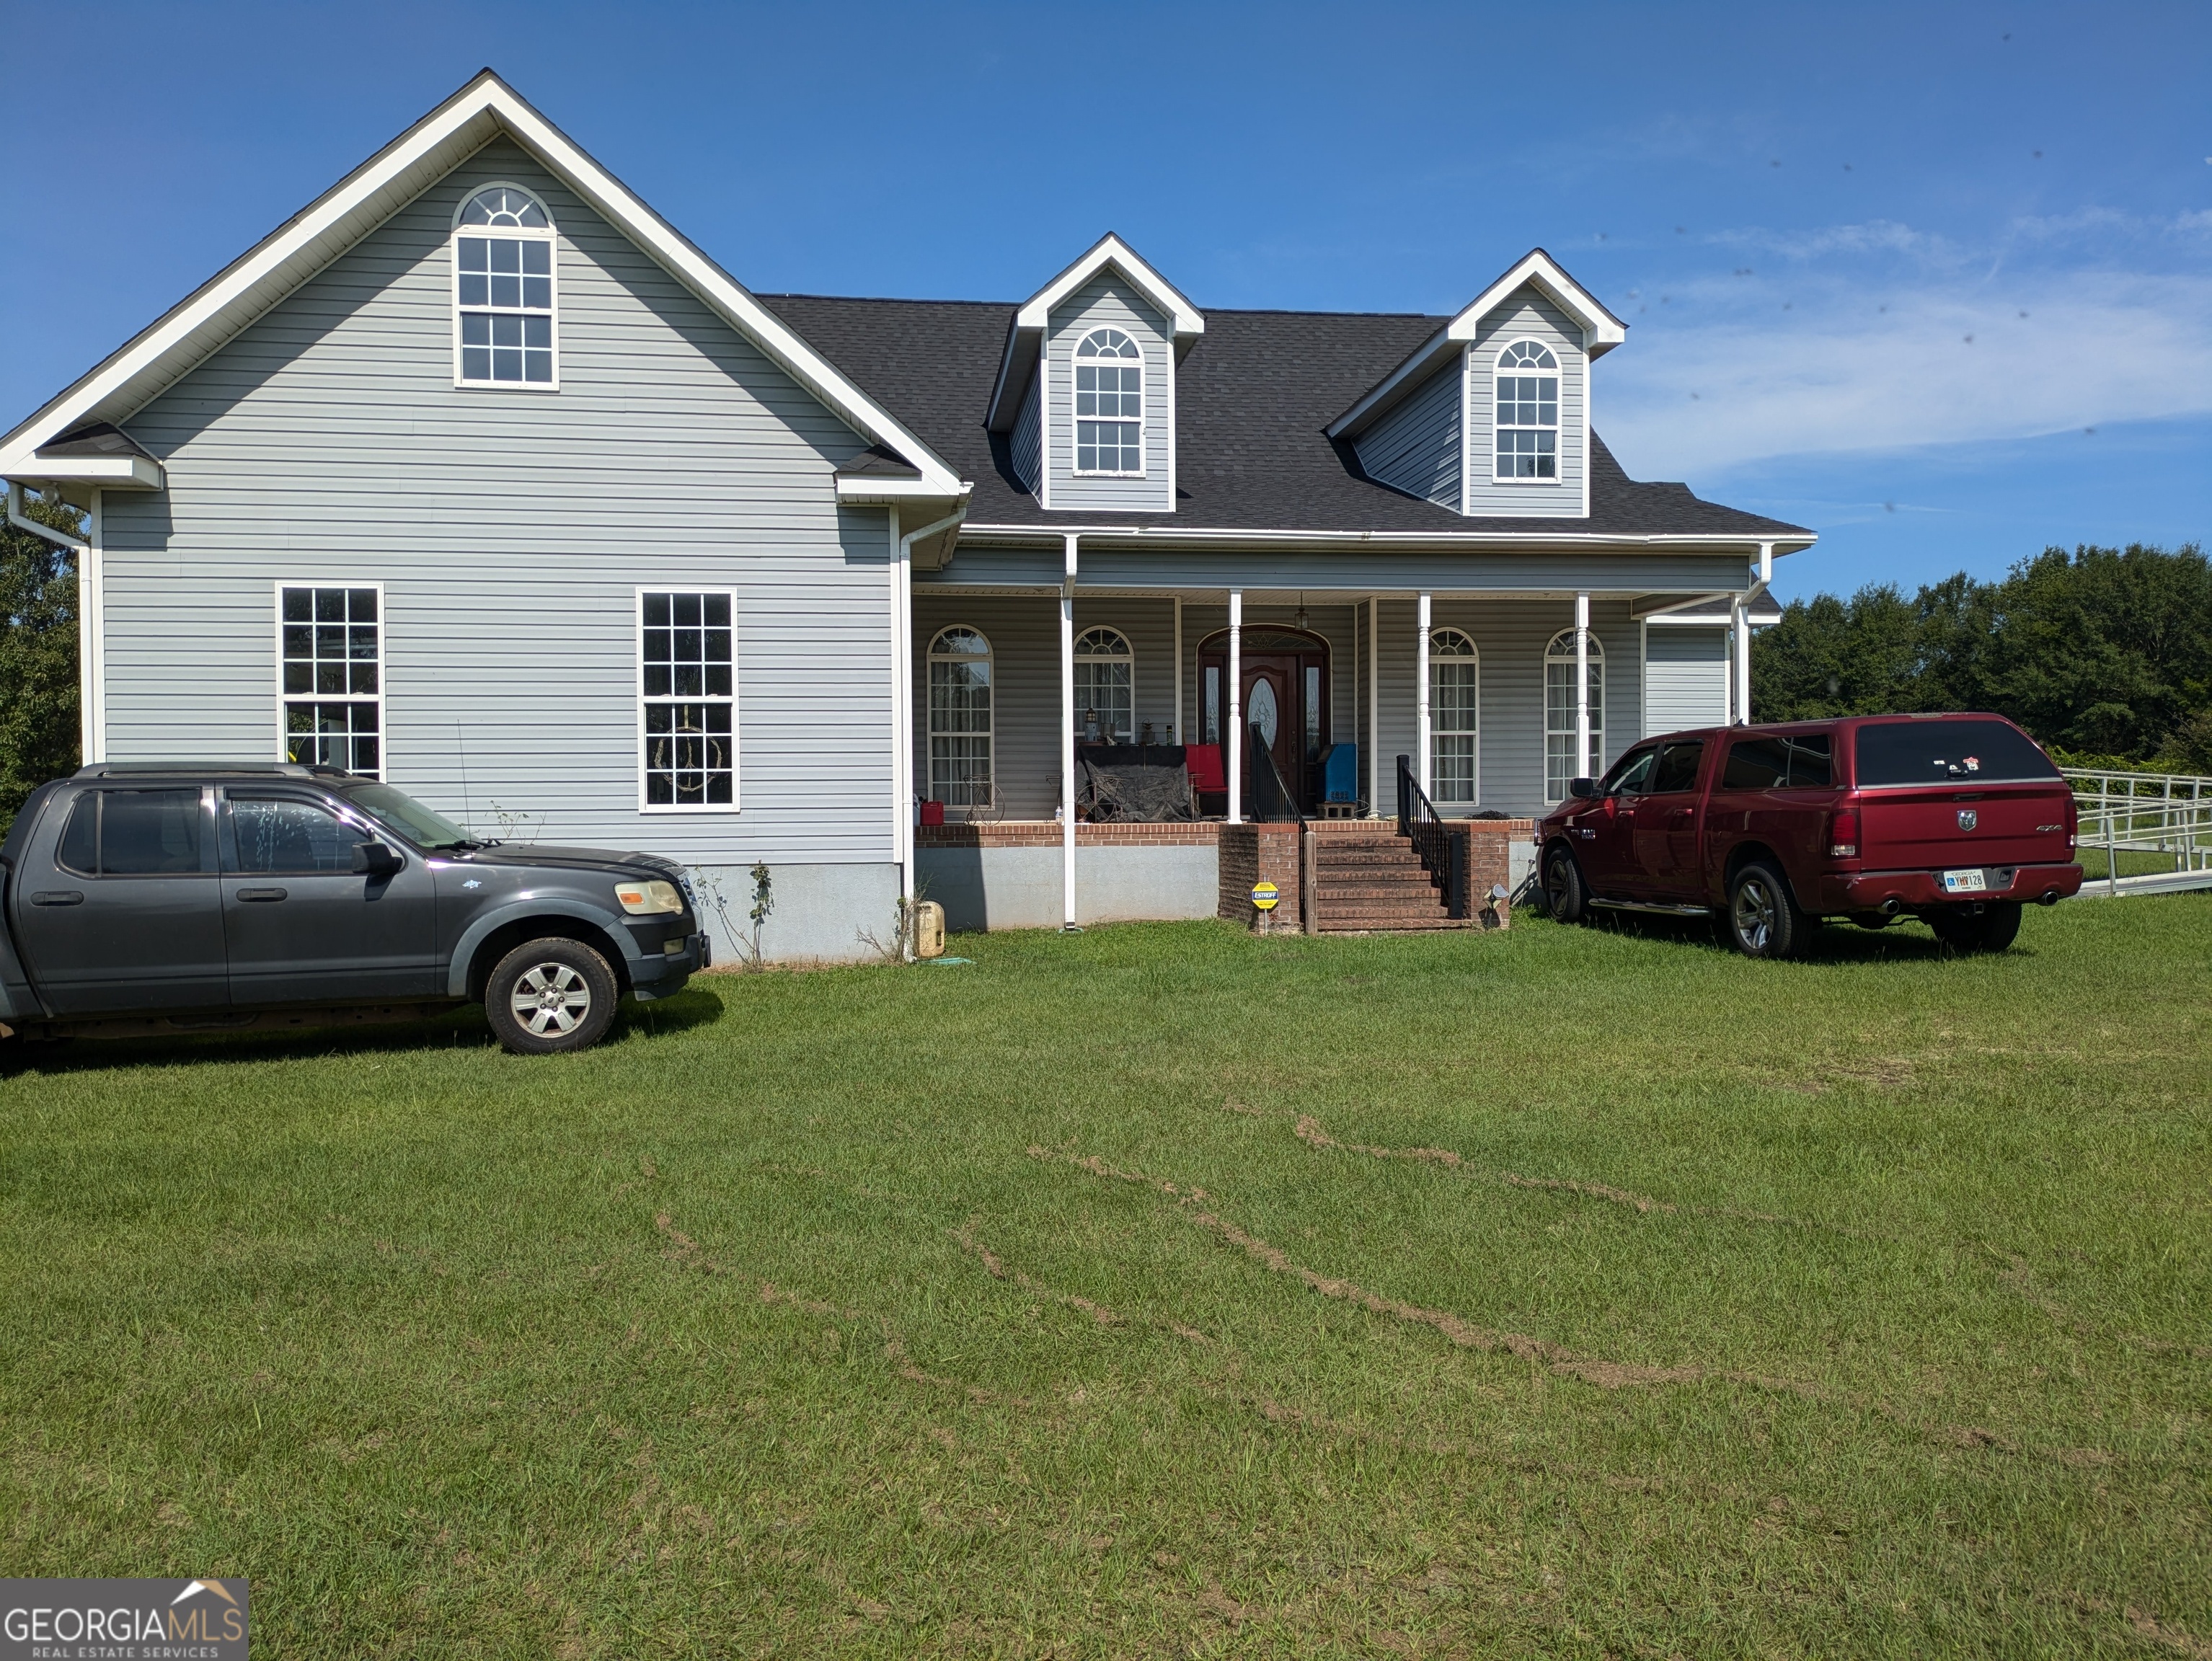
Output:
x=1105 y=675
x=1527 y=431
x=503 y=333
x=1110 y=404
x=960 y=718
x=1455 y=717
x=1560 y=764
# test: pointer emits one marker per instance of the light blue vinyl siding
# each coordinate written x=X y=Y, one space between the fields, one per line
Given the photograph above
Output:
x=1027 y=439
x=1685 y=677
x=1526 y=315
x=1108 y=302
x=510 y=529
x=1416 y=447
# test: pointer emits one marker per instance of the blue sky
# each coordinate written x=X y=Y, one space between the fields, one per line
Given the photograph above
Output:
x=1936 y=281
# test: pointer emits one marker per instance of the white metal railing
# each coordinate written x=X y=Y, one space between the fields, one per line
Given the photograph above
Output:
x=2167 y=815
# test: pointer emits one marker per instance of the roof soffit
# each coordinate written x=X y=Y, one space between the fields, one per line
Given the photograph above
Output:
x=485 y=108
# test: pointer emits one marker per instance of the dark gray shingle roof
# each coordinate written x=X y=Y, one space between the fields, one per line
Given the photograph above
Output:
x=1251 y=401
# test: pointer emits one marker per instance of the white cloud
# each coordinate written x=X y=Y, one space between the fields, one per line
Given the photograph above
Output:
x=1879 y=358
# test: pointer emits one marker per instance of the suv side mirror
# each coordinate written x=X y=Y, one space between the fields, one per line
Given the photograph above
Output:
x=376 y=860
x=1581 y=789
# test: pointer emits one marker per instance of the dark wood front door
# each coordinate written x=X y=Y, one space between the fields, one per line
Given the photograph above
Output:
x=1282 y=695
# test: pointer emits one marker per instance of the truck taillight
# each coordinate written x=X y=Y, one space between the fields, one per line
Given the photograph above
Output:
x=2073 y=822
x=1844 y=833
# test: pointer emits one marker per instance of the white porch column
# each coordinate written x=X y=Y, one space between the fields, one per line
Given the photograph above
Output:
x=1233 y=737
x=902 y=711
x=1581 y=768
x=1178 y=736
x=1374 y=707
x=1068 y=741
x=1421 y=688
x=1740 y=637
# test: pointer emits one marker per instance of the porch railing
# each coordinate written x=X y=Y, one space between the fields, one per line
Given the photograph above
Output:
x=1443 y=849
x=1272 y=801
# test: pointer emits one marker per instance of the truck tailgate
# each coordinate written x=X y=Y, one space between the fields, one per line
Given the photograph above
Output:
x=1907 y=827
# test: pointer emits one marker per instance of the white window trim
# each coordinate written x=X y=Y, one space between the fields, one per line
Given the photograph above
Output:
x=1558 y=429
x=1598 y=728
x=676 y=585
x=1474 y=731
x=1144 y=404
x=383 y=665
x=929 y=734
x=1128 y=655
x=550 y=235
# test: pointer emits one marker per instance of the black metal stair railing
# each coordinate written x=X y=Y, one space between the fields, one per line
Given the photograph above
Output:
x=1273 y=800
x=1443 y=849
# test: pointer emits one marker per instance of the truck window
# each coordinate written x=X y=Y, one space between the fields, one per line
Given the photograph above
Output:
x=278 y=838
x=1756 y=764
x=133 y=833
x=1942 y=752
x=1811 y=766
x=1678 y=767
x=1629 y=774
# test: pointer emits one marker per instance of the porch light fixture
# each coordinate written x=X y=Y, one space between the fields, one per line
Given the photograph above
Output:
x=1300 y=618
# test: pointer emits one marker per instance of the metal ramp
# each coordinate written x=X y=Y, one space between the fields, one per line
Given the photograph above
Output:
x=2164 y=819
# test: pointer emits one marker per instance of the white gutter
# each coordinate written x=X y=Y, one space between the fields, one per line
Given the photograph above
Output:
x=18 y=518
x=1043 y=536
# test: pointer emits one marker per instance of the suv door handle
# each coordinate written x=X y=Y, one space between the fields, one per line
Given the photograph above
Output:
x=58 y=897
x=260 y=893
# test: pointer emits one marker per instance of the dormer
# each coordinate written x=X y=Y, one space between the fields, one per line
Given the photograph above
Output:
x=1489 y=416
x=1087 y=391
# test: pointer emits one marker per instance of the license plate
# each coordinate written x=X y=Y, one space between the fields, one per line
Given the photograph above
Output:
x=1971 y=881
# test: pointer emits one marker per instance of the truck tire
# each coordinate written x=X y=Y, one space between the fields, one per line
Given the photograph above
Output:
x=550 y=997
x=1992 y=930
x=1763 y=920
x=1564 y=897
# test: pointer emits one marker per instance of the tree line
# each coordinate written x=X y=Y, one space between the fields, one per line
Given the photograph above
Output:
x=2104 y=654
x=38 y=730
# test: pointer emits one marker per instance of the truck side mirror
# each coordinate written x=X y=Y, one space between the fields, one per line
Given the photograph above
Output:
x=376 y=860
x=1581 y=789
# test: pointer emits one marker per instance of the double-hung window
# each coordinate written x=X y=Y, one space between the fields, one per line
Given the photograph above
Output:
x=1454 y=718
x=687 y=700
x=1105 y=697
x=1110 y=404
x=503 y=332
x=1561 y=765
x=330 y=677
x=960 y=714
x=1527 y=431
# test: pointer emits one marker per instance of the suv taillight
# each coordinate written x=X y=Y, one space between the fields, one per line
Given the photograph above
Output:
x=1844 y=833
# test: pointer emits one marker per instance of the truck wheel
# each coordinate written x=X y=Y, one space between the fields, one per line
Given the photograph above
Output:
x=550 y=997
x=1563 y=895
x=1993 y=929
x=1763 y=920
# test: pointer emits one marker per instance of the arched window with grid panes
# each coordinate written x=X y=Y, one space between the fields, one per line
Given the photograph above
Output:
x=1105 y=687
x=504 y=332
x=1527 y=436
x=1559 y=763
x=960 y=718
x=1110 y=404
x=1455 y=719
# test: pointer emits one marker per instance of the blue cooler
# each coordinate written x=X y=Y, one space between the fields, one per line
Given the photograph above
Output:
x=1340 y=774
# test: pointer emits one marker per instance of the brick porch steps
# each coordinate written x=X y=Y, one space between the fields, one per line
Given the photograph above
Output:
x=1374 y=883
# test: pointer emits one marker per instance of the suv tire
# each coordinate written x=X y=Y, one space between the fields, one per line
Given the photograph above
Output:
x=1565 y=896
x=1762 y=918
x=550 y=997
x=1996 y=927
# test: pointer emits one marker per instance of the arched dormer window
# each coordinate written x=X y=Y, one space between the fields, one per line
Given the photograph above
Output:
x=1110 y=404
x=960 y=718
x=1105 y=696
x=1454 y=718
x=1528 y=432
x=503 y=333
x=1560 y=765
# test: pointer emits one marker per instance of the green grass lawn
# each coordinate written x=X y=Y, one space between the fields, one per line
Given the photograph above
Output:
x=1161 y=1290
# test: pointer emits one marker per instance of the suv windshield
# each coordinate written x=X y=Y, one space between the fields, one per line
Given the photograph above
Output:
x=397 y=811
x=1939 y=752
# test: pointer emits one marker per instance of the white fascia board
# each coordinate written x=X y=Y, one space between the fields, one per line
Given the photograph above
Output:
x=878 y=493
x=368 y=196
x=109 y=472
x=1442 y=541
x=1183 y=317
x=1601 y=332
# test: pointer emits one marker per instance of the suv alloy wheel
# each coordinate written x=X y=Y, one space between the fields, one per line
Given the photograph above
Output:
x=1763 y=920
x=550 y=997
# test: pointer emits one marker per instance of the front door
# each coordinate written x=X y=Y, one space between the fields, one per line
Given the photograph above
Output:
x=303 y=927
x=1283 y=695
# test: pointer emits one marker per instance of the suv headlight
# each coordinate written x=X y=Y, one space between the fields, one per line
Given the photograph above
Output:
x=648 y=899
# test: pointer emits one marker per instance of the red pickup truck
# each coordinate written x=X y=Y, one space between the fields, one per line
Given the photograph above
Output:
x=1957 y=820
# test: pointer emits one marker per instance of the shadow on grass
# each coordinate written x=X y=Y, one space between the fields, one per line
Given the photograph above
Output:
x=1904 y=941
x=463 y=1028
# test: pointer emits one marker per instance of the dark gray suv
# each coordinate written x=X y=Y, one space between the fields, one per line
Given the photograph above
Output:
x=142 y=898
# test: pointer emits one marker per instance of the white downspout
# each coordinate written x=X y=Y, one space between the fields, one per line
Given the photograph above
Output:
x=1740 y=640
x=1421 y=690
x=1068 y=740
x=1581 y=689
x=1232 y=740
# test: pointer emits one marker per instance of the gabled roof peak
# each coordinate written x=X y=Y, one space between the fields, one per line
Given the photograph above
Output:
x=1034 y=315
